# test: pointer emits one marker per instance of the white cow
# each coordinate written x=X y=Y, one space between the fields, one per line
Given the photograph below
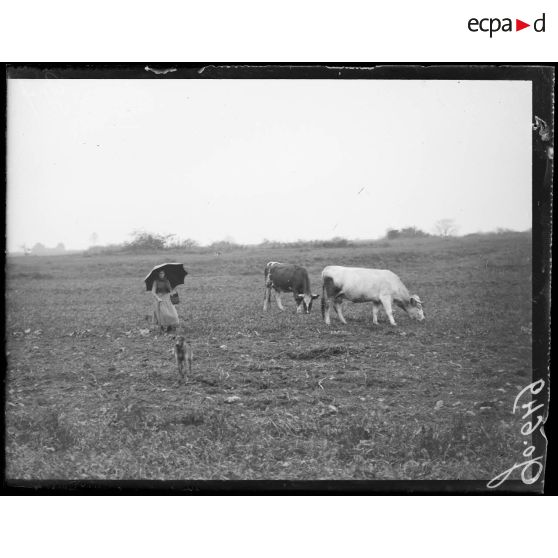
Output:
x=357 y=284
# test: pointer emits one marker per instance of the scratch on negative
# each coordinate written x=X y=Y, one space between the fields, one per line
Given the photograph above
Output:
x=247 y=67
x=542 y=128
x=363 y=68
x=160 y=71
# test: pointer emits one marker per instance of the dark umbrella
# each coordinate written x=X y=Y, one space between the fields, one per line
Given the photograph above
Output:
x=174 y=272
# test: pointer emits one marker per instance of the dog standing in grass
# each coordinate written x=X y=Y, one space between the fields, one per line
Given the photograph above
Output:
x=183 y=355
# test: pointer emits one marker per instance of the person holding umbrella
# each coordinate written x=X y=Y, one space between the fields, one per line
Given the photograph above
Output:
x=162 y=281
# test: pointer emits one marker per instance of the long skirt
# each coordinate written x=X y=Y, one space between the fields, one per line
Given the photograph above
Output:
x=164 y=313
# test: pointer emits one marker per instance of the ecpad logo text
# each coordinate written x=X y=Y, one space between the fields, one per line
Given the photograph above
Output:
x=493 y=25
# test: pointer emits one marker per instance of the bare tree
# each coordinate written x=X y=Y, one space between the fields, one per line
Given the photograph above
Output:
x=94 y=238
x=445 y=227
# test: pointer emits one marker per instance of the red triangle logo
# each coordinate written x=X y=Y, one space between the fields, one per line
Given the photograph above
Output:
x=519 y=25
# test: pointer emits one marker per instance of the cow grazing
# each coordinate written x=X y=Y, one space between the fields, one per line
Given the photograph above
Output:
x=379 y=286
x=288 y=278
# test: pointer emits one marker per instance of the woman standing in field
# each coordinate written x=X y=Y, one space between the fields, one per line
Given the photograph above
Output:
x=164 y=312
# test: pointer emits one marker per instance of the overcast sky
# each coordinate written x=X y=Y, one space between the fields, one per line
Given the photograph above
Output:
x=255 y=159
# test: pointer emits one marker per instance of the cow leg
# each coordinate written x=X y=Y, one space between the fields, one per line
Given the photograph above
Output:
x=386 y=301
x=375 y=310
x=328 y=294
x=337 y=305
x=326 y=308
x=267 y=298
x=278 y=300
x=299 y=304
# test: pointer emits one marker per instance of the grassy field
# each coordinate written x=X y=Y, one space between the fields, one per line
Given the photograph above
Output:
x=91 y=395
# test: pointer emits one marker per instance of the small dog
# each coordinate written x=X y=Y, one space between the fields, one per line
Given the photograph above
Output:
x=183 y=354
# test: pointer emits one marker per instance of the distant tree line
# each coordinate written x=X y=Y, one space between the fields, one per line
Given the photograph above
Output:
x=335 y=242
x=146 y=242
x=151 y=242
x=407 y=232
x=40 y=249
x=443 y=228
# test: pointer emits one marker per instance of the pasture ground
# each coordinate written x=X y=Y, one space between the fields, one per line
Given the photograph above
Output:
x=91 y=395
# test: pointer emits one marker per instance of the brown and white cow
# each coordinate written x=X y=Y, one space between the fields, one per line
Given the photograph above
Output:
x=288 y=278
x=357 y=284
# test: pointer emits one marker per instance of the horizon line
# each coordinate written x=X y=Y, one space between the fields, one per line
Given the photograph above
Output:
x=286 y=243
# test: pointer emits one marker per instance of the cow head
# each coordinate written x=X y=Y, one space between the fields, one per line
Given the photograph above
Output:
x=414 y=308
x=304 y=302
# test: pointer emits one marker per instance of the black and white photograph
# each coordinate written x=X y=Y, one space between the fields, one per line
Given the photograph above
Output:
x=287 y=275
